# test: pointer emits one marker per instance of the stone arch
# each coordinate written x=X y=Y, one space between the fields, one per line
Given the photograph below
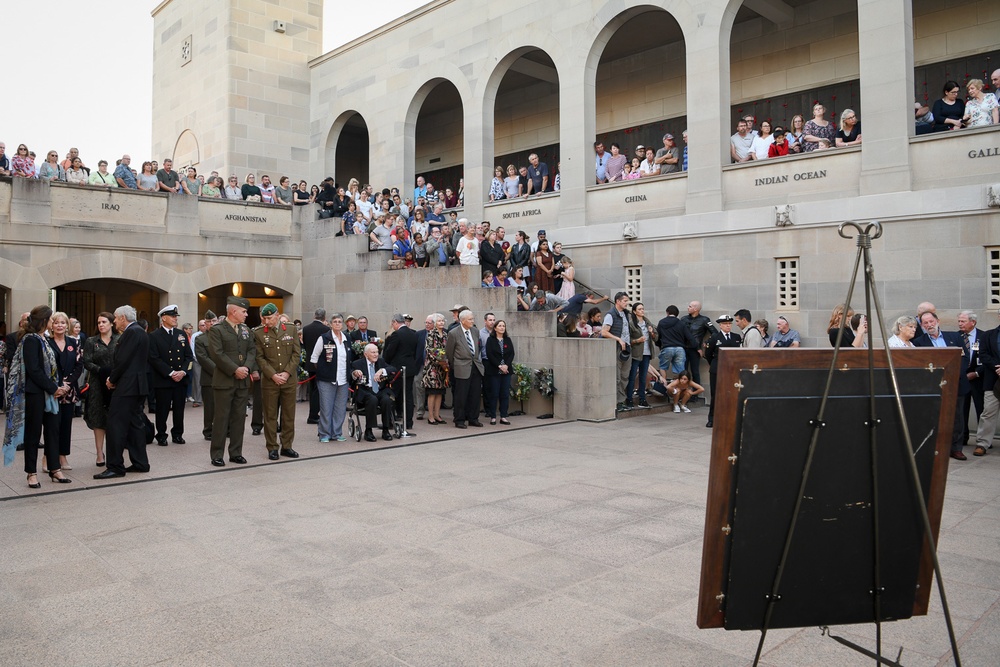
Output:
x=449 y=75
x=283 y=275
x=187 y=152
x=335 y=160
x=108 y=264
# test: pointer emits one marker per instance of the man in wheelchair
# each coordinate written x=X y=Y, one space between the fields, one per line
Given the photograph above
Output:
x=371 y=377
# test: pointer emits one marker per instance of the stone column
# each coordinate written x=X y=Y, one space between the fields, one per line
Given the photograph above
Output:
x=575 y=145
x=885 y=46
x=708 y=125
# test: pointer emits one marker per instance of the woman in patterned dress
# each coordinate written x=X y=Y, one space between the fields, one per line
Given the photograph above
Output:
x=436 y=370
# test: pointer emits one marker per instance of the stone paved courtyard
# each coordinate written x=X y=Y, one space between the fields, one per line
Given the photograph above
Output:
x=540 y=544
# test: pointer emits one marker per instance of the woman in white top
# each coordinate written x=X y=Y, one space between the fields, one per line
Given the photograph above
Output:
x=903 y=331
x=332 y=357
x=981 y=108
x=76 y=174
x=762 y=142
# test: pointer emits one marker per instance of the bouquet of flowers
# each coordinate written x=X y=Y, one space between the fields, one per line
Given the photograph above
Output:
x=520 y=387
x=358 y=346
x=544 y=382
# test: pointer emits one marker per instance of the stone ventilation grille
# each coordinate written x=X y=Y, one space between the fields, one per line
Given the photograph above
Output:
x=993 y=259
x=788 y=283
x=633 y=283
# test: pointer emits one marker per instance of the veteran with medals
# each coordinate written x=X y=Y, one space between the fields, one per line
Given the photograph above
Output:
x=278 y=349
x=231 y=347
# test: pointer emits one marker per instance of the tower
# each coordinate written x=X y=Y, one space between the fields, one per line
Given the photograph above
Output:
x=231 y=84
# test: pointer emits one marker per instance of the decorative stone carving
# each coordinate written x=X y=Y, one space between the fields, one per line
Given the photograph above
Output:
x=783 y=215
x=630 y=230
x=993 y=196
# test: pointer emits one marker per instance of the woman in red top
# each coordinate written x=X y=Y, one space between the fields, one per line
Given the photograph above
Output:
x=779 y=147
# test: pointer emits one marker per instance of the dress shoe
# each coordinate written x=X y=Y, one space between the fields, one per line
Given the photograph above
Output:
x=135 y=468
x=255 y=431
x=290 y=453
x=19 y=448
x=475 y=422
x=503 y=420
x=370 y=437
x=108 y=474
x=237 y=459
x=272 y=455
x=980 y=451
x=162 y=443
x=101 y=464
x=178 y=440
x=460 y=425
x=959 y=456
x=218 y=463
x=386 y=435
x=709 y=424
x=312 y=421
x=61 y=480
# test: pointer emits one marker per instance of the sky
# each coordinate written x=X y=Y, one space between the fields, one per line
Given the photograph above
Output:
x=81 y=77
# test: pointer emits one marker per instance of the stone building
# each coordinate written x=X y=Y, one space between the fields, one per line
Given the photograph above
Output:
x=457 y=87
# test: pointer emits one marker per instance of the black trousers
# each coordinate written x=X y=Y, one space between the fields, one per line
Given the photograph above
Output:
x=373 y=405
x=37 y=420
x=208 y=405
x=170 y=399
x=313 y=400
x=974 y=397
x=467 y=394
x=693 y=362
x=711 y=391
x=66 y=413
x=957 y=439
x=126 y=430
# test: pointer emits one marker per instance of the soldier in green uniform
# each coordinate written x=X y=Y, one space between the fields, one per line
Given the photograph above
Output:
x=278 y=360
x=231 y=347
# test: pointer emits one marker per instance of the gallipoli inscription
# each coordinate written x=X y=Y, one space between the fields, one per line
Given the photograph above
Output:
x=246 y=218
x=803 y=176
x=985 y=152
x=521 y=214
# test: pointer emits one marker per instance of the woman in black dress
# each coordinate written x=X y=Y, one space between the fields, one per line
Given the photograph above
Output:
x=69 y=359
x=498 y=368
x=949 y=110
x=98 y=357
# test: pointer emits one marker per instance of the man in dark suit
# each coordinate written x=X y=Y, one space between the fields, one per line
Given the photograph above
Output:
x=363 y=333
x=465 y=359
x=401 y=352
x=127 y=382
x=724 y=337
x=310 y=334
x=971 y=339
x=171 y=360
x=934 y=337
x=207 y=371
x=989 y=355
x=371 y=376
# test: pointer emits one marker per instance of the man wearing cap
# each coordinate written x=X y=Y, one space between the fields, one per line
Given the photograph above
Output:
x=724 y=337
x=310 y=334
x=278 y=353
x=231 y=346
x=455 y=312
x=668 y=158
x=534 y=245
x=401 y=352
x=615 y=326
x=207 y=372
x=170 y=359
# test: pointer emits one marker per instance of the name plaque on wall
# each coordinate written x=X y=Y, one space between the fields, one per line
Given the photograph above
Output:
x=985 y=152
x=222 y=216
x=106 y=206
x=784 y=178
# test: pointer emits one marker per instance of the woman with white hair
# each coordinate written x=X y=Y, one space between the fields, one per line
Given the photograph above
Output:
x=903 y=331
x=849 y=133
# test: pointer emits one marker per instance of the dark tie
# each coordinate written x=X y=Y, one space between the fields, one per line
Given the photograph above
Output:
x=965 y=344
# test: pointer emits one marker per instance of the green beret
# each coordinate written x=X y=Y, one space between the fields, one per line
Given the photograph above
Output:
x=209 y=315
x=268 y=310
x=237 y=301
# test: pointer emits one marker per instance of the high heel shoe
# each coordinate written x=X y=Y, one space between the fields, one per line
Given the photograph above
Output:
x=101 y=464
x=36 y=485
x=61 y=480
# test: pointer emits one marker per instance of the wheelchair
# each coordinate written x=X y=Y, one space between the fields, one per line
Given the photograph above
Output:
x=355 y=427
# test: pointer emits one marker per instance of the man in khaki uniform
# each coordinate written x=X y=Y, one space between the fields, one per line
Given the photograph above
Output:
x=278 y=351
x=231 y=347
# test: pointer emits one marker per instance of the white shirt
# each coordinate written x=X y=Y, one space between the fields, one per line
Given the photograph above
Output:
x=647 y=168
x=468 y=251
x=341 y=356
x=760 y=146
